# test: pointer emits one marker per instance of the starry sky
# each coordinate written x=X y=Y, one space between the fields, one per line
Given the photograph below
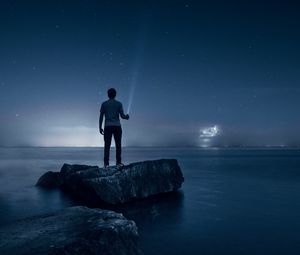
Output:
x=196 y=73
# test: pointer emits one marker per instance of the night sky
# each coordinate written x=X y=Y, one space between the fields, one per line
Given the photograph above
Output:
x=200 y=73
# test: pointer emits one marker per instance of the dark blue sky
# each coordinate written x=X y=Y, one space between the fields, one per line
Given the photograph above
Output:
x=230 y=64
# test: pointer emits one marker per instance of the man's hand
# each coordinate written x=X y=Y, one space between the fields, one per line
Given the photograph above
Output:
x=101 y=131
x=127 y=117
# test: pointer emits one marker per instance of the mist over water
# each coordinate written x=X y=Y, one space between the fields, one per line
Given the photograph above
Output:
x=233 y=201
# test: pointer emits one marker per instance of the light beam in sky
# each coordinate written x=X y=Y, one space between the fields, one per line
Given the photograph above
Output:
x=136 y=69
x=133 y=84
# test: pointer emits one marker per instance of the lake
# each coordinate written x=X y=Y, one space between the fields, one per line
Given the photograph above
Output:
x=233 y=201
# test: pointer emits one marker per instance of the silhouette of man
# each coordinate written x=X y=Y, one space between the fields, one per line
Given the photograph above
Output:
x=112 y=109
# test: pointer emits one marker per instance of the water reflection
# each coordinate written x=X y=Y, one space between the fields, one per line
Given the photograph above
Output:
x=162 y=207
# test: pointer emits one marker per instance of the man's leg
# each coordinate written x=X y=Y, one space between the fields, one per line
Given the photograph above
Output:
x=107 y=142
x=118 y=141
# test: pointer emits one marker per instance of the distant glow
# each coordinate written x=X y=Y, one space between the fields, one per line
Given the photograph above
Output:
x=71 y=136
x=209 y=132
x=207 y=135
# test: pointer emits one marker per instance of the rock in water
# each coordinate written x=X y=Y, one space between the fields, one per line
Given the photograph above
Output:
x=50 y=180
x=119 y=185
x=76 y=230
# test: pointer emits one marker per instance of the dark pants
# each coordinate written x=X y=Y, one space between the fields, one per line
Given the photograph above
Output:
x=108 y=132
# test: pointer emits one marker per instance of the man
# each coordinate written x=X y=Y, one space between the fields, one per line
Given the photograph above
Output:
x=112 y=109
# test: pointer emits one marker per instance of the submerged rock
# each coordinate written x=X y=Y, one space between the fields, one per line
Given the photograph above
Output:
x=75 y=230
x=119 y=185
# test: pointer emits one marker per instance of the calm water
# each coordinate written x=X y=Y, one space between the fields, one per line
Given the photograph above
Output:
x=232 y=201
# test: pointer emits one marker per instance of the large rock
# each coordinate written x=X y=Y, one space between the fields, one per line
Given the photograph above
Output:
x=76 y=230
x=119 y=185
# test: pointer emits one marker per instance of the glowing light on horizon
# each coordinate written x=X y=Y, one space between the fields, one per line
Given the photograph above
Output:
x=207 y=134
x=79 y=136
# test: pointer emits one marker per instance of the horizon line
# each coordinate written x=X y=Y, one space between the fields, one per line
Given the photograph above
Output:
x=145 y=146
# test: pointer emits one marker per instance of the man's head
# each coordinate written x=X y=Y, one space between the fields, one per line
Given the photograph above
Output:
x=111 y=93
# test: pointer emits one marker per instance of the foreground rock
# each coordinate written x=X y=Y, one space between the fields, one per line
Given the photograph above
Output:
x=114 y=185
x=76 y=230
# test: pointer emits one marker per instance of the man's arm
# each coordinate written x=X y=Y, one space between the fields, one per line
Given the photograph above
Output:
x=101 y=120
x=123 y=116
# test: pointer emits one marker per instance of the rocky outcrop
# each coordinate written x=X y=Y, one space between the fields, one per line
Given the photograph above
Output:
x=115 y=185
x=76 y=230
